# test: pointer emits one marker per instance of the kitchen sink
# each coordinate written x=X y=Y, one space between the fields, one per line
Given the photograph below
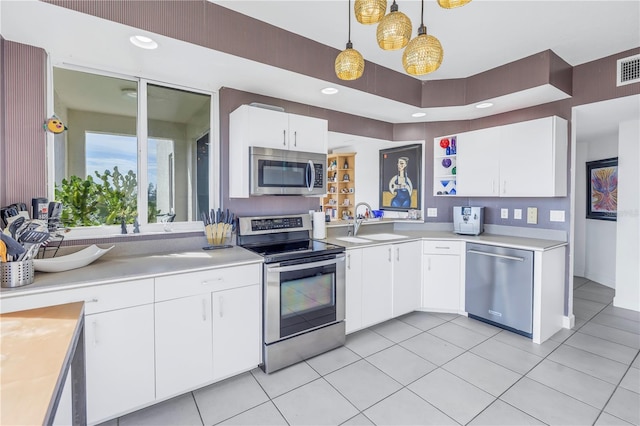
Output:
x=384 y=237
x=353 y=240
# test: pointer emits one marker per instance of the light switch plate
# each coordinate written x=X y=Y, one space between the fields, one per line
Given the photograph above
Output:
x=532 y=215
x=504 y=213
x=432 y=212
x=556 y=215
x=517 y=213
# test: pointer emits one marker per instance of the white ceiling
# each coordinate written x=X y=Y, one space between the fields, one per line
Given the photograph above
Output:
x=479 y=36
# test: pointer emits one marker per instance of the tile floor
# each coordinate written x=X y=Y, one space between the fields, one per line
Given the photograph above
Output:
x=440 y=369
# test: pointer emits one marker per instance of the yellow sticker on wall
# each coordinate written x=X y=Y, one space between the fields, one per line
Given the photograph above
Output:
x=54 y=125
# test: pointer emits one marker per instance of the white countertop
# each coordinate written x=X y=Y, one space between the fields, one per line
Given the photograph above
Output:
x=490 y=239
x=117 y=269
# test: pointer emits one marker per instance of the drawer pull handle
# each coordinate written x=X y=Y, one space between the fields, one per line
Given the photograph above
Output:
x=213 y=281
x=397 y=254
x=443 y=248
x=94 y=300
x=95 y=333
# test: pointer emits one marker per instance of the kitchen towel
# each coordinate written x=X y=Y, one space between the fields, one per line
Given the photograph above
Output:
x=319 y=228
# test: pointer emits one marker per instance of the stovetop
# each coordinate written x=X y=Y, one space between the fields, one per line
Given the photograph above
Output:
x=279 y=238
x=289 y=250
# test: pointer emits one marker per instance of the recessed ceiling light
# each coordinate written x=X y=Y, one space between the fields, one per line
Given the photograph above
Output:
x=329 y=90
x=418 y=114
x=143 y=42
x=484 y=105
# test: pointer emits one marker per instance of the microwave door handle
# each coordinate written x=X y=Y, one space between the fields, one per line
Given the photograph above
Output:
x=309 y=175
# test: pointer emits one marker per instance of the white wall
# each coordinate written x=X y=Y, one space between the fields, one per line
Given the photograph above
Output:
x=367 y=179
x=628 y=223
x=595 y=240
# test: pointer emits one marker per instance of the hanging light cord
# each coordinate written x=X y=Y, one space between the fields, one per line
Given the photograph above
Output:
x=422 y=29
x=349 y=15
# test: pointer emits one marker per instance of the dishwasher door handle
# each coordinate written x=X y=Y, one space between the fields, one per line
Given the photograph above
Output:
x=501 y=256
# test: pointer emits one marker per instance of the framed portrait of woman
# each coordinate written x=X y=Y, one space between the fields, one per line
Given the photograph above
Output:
x=400 y=172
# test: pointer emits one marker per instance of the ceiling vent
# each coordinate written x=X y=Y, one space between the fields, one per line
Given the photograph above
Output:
x=628 y=70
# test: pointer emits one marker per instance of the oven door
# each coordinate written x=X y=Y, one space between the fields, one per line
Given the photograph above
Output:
x=280 y=172
x=303 y=295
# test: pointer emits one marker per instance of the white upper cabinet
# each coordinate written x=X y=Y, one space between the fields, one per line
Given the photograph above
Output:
x=478 y=162
x=527 y=159
x=254 y=126
x=308 y=134
x=533 y=158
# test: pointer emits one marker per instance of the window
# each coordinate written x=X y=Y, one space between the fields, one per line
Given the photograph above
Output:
x=125 y=135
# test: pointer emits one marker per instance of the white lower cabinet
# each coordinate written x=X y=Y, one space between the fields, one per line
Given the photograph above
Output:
x=119 y=357
x=377 y=284
x=407 y=277
x=382 y=282
x=353 y=278
x=184 y=346
x=207 y=327
x=441 y=276
x=237 y=320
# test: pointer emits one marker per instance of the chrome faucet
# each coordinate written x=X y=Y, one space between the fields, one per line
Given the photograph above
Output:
x=356 y=221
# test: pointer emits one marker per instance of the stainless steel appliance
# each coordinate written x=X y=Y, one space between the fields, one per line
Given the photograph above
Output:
x=499 y=287
x=468 y=220
x=303 y=288
x=283 y=172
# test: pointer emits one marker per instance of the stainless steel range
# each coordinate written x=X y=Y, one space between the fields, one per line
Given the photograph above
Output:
x=303 y=288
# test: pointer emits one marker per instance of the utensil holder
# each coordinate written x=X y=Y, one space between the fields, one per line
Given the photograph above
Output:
x=16 y=274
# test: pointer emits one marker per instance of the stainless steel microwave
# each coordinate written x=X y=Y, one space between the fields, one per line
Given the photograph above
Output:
x=283 y=172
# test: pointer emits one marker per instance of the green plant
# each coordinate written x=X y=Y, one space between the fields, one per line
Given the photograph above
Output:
x=79 y=198
x=118 y=199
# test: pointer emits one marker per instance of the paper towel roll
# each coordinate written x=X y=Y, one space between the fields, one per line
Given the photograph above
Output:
x=319 y=229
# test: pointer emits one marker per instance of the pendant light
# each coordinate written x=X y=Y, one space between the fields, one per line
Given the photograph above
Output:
x=450 y=4
x=424 y=53
x=369 y=11
x=349 y=63
x=394 y=31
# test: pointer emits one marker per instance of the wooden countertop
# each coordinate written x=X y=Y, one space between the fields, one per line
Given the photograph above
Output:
x=37 y=348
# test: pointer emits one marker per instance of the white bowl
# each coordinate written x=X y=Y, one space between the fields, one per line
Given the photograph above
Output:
x=70 y=261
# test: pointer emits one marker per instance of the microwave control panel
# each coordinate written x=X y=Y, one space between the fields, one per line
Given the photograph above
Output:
x=318 y=181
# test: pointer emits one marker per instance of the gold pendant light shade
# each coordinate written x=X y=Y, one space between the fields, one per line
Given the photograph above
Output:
x=349 y=64
x=450 y=4
x=394 y=31
x=423 y=54
x=369 y=11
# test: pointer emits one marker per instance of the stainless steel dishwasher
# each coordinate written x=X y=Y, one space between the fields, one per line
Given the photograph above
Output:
x=499 y=287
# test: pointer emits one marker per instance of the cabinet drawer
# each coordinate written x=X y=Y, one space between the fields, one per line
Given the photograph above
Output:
x=189 y=284
x=442 y=247
x=98 y=298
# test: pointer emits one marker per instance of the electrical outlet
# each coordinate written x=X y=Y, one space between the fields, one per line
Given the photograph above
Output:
x=556 y=216
x=504 y=213
x=532 y=215
x=517 y=213
x=432 y=212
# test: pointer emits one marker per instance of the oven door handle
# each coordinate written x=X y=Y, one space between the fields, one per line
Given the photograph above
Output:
x=300 y=266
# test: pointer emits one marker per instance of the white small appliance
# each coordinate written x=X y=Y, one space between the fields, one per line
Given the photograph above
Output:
x=468 y=220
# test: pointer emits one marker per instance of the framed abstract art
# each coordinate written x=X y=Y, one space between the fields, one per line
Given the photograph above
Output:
x=602 y=189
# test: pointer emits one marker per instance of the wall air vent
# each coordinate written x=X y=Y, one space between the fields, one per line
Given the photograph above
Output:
x=266 y=106
x=628 y=70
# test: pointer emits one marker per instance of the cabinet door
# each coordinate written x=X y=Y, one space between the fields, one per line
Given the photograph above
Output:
x=441 y=283
x=119 y=361
x=407 y=277
x=308 y=134
x=184 y=355
x=377 y=288
x=237 y=322
x=533 y=159
x=267 y=128
x=478 y=162
x=353 y=310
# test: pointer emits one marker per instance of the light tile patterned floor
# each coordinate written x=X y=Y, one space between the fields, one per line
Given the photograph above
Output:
x=440 y=369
